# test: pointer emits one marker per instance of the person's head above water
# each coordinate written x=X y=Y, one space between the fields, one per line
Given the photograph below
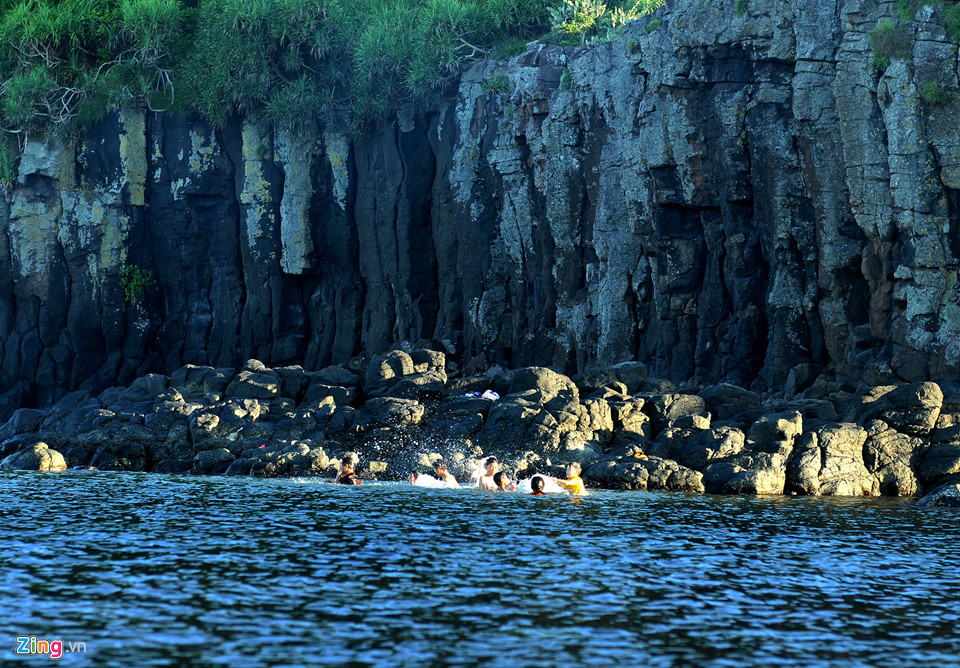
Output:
x=440 y=467
x=501 y=480
x=536 y=485
x=349 y=459
x=491 y=464
x=573 y=469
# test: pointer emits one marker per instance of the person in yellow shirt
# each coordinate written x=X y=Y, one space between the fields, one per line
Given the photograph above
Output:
x=573 y=483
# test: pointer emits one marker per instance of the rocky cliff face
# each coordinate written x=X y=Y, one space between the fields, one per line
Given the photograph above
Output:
x=725 y=198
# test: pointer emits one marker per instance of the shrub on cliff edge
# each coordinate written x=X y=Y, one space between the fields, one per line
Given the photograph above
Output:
x=63 y=63
x=577 y=22
x=888 y=42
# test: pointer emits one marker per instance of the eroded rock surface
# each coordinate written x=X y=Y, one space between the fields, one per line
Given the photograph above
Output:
x=715 y=197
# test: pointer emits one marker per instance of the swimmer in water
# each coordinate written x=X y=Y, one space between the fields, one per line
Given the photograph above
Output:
x=346 y=474
x=573 y=483
x=536 y=486
x=440 y=468
x=486 y=481
x=502 y=481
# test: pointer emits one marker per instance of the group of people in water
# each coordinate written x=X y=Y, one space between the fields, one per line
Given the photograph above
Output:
x=492 y=479
x=495 y=480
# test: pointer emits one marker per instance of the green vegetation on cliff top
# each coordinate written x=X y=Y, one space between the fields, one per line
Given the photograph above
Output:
x=64 y=63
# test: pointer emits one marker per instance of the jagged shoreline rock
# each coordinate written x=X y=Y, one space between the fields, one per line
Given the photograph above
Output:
x=945 y=496
x=407 y=407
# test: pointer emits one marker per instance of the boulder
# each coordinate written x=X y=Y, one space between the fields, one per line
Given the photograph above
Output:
x=242 y=466
x=386 y=370
x=911 y=409
x=464 y=405
x=548 y=382
x=622 y=471
x=914 y=408
x=145 y=389
x=892 y=457
x=20 y=442
x=169 y=411
x=255 y=381
x=668 y=475
x=595 y=416
x=670 y=439
x=317 y=394
x=23 y=421
x=422 y=385
x=459 y=387
x=212 y=461
x=334 y=375
x=177 y=445
x=652 y=386
x=215 y=382
x=946 y=496
x=780 y=428
x=454 y=426
x=425 y=359
x=235 y=410
x=627 y=377
x=842 y=471
x=393 y=412
x=203 y=425
x=699 y=449
x=190 y=381
x=717 y=473
x=292 y=381
x=38 y=457
x=725 y=401
x=664 y=407
x=343 y=420
x=628 y=417
x=293 y=459
x=869 y=405
x=813 y=409
x=68 y=416
x=756 y=481
x=760 y=465
x=941 y=458
x=612 y=392
x=581 y=447
x=210 y=431
x=693 y=423
x=803 y=469
x=518 y=423
x=800 y=378
x=120 y=455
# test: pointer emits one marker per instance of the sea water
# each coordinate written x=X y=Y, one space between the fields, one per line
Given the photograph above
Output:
x=152 y=570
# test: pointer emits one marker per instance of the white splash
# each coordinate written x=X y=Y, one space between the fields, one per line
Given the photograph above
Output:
x=427 y=480
x=550 y=486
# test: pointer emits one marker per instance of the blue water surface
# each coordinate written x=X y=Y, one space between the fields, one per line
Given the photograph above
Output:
x=153 y=570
